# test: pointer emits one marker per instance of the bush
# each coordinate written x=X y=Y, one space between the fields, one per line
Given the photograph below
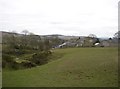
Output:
x=28 y=64
x=14 y=65
x=32 y=61
x=41 y=57
x=7 y=58
x=9 y=62
x=3 y=63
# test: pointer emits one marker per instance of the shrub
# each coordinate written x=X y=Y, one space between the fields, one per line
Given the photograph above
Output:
x=14 y=65
x=9 y=62
x=3 y=63
x=41 y=57
x=7 y=58
x=28 y=64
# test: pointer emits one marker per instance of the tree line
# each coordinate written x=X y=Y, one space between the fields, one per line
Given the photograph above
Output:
x=37 y=48
x=27 y=50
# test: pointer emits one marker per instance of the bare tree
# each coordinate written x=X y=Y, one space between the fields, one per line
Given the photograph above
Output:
x=92 y=36
x=25 y=32
x=117 y=35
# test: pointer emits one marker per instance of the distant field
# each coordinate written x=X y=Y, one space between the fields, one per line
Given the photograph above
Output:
x=78 y=67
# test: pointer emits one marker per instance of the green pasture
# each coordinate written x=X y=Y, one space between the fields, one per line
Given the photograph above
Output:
x=77 y=67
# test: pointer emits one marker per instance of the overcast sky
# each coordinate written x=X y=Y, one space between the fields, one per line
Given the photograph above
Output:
x=66 y=17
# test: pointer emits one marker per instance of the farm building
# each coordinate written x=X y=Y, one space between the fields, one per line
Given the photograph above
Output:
x=67 y=44
x=109 y=43
x=89 y=41
x=105 y=43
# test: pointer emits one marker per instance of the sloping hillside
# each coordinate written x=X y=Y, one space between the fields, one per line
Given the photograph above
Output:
x=79 y=67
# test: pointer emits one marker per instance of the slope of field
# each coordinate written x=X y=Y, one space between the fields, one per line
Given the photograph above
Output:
x=79 y=67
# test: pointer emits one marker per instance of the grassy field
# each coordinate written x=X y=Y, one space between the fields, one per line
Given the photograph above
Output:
x=78 y=67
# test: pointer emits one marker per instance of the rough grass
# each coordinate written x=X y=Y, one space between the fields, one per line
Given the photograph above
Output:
x=78 y=67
